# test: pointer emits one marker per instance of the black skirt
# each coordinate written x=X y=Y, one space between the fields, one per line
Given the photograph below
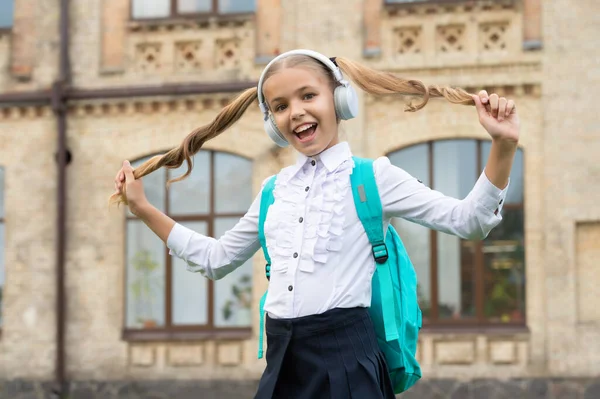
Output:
x=333 y=355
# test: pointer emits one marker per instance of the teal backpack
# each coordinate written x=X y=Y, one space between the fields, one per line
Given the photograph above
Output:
x=394 y=309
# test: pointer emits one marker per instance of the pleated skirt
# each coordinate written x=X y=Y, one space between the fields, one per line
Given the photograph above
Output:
x=333 y=355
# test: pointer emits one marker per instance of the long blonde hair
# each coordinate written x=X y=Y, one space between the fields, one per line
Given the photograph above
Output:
x=370 y=80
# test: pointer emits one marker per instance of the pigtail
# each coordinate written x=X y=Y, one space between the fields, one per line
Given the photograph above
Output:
x=193 y=142
x=385 y=83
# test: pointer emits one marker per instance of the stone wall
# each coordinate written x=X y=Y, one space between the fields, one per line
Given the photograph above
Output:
x=464 y=44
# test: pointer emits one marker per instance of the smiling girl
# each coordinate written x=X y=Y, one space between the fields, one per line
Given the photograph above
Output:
x=321 y=340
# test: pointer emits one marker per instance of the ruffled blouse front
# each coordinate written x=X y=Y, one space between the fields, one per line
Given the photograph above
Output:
x=309 y=211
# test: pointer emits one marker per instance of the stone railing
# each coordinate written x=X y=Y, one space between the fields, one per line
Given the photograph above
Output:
x=452 y=34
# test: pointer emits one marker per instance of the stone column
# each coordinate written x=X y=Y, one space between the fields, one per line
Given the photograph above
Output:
x=532 y=26
x=115 y=14
x=24 y=39
x=372 y=28
x=268 y=30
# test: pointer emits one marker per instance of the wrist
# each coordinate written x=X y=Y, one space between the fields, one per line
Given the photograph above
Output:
x=505 y=145
x=142 y=210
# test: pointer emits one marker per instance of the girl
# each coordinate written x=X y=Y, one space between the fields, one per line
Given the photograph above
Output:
x=321 y=341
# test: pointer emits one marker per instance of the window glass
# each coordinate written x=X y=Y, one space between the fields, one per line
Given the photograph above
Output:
x=189 y=290
x=6 y=13
x=495 y=266
x=232 y=173
x=236 y=6
x=191 y=195
x=194 y=6
x=145 y=277
x=151 y=8
x=233 y=294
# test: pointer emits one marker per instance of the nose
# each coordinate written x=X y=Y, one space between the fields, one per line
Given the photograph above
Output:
x=297 y=109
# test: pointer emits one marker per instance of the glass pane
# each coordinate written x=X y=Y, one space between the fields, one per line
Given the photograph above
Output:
x=233 y=183
x=189 y=290
x=1 y=192
x=515 y=191
x=414 y=160
x=455 y=167
x=6 y=13
x=154 y=186
x=1 y=268
x=504 y=255
x=192 y=195
x=145 y=277
x=233 y=294
x=194 y=6
x=236 y=6
x=416 y=239
x=455 y=174
x=151 y=8
x=456 y=277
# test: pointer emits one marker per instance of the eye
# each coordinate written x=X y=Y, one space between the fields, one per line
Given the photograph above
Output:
x=279 y=108
x=309 y=96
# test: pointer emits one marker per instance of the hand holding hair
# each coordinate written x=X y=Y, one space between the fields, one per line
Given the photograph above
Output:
x=498 y=116
x=130 y=189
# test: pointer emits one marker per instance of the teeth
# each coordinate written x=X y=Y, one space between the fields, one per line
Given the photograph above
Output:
x=303 y=128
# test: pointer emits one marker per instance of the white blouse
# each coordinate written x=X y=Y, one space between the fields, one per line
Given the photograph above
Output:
x=320 y=254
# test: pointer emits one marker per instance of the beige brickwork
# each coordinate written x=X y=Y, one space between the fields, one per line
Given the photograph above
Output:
x=473 y=46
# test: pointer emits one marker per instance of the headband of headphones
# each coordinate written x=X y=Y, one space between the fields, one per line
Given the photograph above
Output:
x=330 y=63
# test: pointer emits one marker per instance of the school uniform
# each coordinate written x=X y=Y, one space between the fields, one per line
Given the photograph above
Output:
x=320 y=338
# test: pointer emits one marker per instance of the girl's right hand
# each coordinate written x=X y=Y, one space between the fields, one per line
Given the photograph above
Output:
x=133 y=189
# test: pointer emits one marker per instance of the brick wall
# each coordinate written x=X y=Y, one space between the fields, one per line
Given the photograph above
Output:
x=460 y=44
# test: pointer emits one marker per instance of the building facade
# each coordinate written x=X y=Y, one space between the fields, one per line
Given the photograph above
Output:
x=93 y=305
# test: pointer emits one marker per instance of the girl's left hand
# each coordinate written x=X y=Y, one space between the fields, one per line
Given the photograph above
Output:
x=498 y=116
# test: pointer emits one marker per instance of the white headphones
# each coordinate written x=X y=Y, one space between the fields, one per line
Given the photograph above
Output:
x=344 y=96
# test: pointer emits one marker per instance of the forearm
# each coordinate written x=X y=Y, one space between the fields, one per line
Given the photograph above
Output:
x=500 y=162
x=157 y=221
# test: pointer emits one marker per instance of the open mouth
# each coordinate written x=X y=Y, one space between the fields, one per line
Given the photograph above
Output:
x=306 y=132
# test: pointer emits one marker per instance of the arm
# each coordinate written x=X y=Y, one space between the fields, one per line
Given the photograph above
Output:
x=208 y=256
x=499 y=118
x=476 y=215
x=215 y=258
x=404 y=196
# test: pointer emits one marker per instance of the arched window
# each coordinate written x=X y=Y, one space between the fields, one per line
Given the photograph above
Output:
x=161 y=293
x=1 y=241
x=465 y=282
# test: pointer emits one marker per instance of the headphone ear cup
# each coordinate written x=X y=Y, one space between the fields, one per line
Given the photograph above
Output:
x=346 y=102
x=274 y=133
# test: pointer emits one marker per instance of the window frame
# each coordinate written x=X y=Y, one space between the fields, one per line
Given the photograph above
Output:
x=184 y=332
x=479 y=322
x=174 y=14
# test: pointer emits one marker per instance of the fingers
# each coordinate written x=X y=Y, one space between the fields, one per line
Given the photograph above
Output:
x=498 y=107
x=494 y=102
x=502 y=108
x=510 y=106
x=119 y=181
x=481 y=110
x=127 y=170
x=483 y=95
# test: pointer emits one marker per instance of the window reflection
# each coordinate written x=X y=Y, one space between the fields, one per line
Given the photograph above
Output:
x=161 y=292
x=476 y=281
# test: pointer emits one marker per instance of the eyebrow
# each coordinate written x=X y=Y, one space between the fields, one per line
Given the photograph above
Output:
x=297 y=91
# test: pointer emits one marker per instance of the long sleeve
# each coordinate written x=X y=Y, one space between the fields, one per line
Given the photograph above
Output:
x=404 y=196
x=215 y=258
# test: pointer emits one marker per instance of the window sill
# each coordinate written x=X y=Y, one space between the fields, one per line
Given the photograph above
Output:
x=150 y=335
x=499 y=329
x=191 y=22
x=447 y=2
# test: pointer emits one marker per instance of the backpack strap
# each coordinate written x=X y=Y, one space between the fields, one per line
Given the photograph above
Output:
x=266 y=200
x=370 y=212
